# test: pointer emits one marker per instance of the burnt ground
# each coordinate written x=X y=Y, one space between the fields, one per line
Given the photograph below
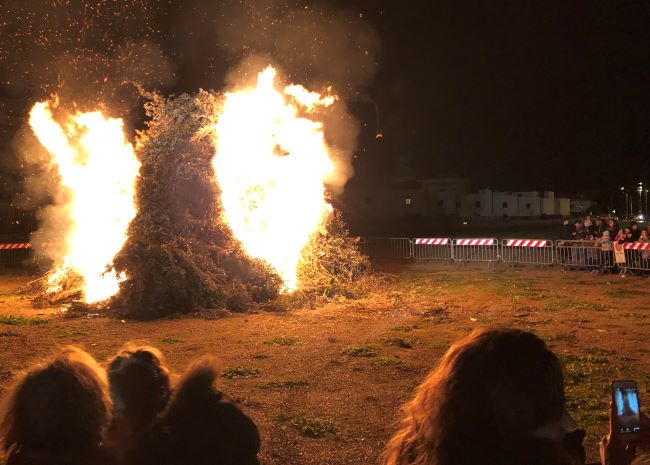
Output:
x=341 y=370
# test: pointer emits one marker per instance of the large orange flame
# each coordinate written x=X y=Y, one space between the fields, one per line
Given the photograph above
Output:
x=98 y=168
x=271 y=163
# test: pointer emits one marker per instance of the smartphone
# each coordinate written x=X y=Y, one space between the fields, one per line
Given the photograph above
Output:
x=625 y=395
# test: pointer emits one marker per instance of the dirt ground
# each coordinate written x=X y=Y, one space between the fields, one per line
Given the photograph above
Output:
x=340 y=371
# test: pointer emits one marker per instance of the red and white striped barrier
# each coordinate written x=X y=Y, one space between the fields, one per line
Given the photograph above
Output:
x=637 y=245
x=475 y=250
x=15 y=246
x=527 y=252
x=432 y=248
x=428 y=241
x=527 y=243
x=14 y=254
x=636 y=257
x=481 y=242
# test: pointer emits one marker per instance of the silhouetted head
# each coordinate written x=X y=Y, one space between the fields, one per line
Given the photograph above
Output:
x=200 y=426
x=139 y=383
x=140 y=388
x=495 y=396
x=58 y=408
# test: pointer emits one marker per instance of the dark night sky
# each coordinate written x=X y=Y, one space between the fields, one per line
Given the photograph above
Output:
x=517 y=96
x=513 y=95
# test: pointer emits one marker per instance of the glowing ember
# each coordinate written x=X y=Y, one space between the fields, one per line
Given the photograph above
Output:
x=98 y=168
x=271 y=163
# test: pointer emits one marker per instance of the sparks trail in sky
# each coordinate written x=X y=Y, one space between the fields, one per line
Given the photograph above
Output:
x=75 y=44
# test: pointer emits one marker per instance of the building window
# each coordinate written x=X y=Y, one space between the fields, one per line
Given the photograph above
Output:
x=477 y=204
x=528 y=205
x=441 y=203
x=504 y=205
x=408 y=201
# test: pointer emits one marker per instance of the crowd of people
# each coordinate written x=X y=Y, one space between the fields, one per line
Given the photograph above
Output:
x=602 y=230
x=589 y=245
x=496 y=398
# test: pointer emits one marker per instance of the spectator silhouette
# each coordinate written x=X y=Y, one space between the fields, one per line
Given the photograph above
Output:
x=614 y=228
x=201 y=426
x=496 y=398
x=57 y=414
x=567 y=230
x=140 y=388
x=581 y=232
x=635 y=232
x=601 y=227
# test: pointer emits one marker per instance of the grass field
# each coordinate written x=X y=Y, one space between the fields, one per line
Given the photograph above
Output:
x=324 y=384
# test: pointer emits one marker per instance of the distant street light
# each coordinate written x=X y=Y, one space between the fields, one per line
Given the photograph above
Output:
x=640 y=191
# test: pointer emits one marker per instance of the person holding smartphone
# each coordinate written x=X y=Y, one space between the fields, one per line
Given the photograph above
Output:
x=628 y=439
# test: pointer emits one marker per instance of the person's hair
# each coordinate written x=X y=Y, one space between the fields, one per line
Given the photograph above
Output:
x=57 y=408
x=482 y=404
x=201 y=425
x=139 y=383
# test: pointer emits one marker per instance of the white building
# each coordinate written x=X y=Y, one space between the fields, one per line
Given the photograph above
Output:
x=489 y=203
x=440 y=197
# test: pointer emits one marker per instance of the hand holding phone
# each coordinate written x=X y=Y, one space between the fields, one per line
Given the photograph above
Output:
x=619 y=446
x=625 y=399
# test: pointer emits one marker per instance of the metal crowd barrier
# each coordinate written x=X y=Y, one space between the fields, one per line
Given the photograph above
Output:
x=528 y=251
x=637 y=257
x=584 y=255
x=432 y=249
x=388 y=248
x=568 y=254
x=475 y=250
x=14 y=254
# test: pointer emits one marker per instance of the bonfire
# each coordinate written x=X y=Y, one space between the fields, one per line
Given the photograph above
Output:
x=222 y=203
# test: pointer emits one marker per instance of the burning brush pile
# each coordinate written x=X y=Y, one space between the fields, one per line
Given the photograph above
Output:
x=220 y=204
